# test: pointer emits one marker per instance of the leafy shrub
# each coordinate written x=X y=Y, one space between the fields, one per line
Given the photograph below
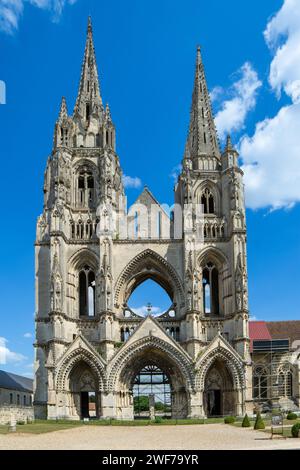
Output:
x=229 y=420
x=296 y=430
x=20 y=423
x=158 y=419
x=141 y=403
x=291 y=416
x=246 y=422
x=259 y=422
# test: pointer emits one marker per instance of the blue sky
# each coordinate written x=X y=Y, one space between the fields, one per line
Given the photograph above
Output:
x=146 y=54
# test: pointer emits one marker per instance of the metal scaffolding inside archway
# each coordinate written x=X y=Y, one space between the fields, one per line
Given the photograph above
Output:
x=151 y=380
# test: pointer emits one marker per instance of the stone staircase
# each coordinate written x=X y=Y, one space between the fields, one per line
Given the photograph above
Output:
x=288 y=404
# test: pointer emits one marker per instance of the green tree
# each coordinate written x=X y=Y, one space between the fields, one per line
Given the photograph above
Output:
x=259 y=422
x=296 y=430
x=159 y=406
x=246 y=422
x=141 y=403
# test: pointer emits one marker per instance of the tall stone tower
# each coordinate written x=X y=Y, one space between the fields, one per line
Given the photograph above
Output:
x=91 y=254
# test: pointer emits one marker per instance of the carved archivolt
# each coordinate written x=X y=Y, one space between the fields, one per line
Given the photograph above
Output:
x=84 y=256
x=74 y=358
x=148 y=264
x=213 y=254
x=180 y=359
x=233 y=364
x=86 y=163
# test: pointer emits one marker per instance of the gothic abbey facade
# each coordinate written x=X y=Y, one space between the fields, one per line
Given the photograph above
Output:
x=89 y=261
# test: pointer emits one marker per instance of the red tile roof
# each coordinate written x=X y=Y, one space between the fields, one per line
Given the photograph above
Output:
x=258 y=330
x=285 y=330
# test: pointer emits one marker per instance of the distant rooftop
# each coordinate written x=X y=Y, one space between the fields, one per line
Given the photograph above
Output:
x=289 y=329
x=15 y=382
x=274 y=330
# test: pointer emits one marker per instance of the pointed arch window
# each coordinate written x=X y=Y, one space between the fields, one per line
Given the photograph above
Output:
x=85 y=188
x=208 y=202
x=260 y=383
x=210 y=282
x=285 y=381
x=87 y=285
x=64 y=136
x=87 y=112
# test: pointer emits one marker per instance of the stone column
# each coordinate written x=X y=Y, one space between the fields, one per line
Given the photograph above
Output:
x=196 y=405
x=152 y=407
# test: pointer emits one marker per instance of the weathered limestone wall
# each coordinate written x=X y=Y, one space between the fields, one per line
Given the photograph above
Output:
x=18 y=413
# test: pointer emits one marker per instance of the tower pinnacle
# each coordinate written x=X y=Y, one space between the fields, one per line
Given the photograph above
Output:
x=202 y=138
x=63 y=113
x=89 y=98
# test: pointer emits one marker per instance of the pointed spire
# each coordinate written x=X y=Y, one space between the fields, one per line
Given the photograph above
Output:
x=230 y=155
x=90 y=26
x=228 y=143
x=202 y=138
x=89 y=98
x=107 y=112
x=63 y=113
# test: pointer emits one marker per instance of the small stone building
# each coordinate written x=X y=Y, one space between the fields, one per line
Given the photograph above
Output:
x=15 y=390
x=275 y=352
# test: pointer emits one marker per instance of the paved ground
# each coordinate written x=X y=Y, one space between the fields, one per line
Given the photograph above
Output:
x=209 y=436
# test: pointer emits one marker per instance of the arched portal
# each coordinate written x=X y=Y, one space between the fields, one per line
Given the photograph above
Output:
x=84 y=389
x=151 y=372
x=219 y=392
x=149 y=265
x=152 y=393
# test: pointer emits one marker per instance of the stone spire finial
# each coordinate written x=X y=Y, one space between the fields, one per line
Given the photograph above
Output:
x=89 y=97
x=228 y=143
x=90 y=26
x=202 y=138
x=107 y=112
x=229 y=155
x=63 y=113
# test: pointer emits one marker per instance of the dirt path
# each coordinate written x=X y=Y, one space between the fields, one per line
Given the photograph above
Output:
x=212 y=436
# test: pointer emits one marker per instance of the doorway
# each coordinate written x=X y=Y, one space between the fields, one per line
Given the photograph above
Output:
x=88 y=405
x=219 y=393
x=214 y=403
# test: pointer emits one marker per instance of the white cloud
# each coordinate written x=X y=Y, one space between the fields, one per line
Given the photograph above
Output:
x=143 y=311
x=7 y=356
x=241 y=99
x=12 y=10
x=27 y=335
x=131 y=182
x=272 y=155
x=271 y=161
x=216 y=93
x=176 y=172
x=282 y=35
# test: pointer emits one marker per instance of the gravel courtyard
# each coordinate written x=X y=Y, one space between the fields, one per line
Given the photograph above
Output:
x=212 y=436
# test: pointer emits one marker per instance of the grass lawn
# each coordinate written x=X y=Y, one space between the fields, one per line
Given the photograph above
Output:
x=40 y=427
x=287 y=430
x=44 y=426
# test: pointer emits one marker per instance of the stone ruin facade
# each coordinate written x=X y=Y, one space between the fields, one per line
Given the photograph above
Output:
x=92 y=253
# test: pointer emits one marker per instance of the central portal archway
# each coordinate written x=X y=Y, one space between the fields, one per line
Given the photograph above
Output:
x=151 y=374
x=152 y=387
